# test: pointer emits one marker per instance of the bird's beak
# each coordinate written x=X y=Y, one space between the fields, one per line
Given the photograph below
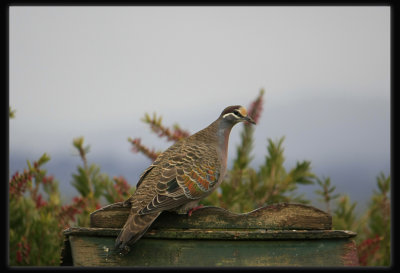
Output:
x=249 y=119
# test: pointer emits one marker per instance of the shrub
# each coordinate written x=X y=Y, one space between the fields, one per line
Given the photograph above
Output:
x=37 y=217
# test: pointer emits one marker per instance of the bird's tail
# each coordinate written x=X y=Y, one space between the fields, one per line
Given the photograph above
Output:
x=134 y=228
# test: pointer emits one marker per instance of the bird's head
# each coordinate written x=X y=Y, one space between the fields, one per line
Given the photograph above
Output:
x=235 y=114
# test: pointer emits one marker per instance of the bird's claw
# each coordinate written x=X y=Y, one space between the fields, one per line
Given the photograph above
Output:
x=194 y=209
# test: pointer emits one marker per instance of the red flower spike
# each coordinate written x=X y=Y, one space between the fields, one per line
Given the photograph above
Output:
x=19 y=256
x=138 y=147
x=368 y=248
x=256 y=108
x=40 y=202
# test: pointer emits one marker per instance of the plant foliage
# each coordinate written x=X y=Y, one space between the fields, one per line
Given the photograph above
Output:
x=37 y=216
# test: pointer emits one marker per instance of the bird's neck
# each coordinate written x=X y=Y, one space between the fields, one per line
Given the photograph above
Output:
x=223 y=132
x=217 y=133
x=220 y=130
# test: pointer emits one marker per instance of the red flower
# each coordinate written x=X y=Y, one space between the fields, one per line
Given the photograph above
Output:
x=19 y=256
x=19 y=183
x=47 y=179
x=256 y=107
x=23 y=251
x=39 y=201
x=368 y=248
x=138 y=147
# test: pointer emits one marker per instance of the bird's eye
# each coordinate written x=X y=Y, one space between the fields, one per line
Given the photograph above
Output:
x=237 y=113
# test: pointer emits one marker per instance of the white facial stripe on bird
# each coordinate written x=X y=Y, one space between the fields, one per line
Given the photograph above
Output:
x=242 y=111
x=231 y=114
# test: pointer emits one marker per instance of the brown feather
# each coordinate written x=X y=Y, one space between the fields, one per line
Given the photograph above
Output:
x=182 y=175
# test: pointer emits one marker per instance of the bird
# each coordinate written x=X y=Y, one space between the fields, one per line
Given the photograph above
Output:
x=188 y=171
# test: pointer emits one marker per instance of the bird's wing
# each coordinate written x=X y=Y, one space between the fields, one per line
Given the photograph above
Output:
x=146 y=172
x=187 y=175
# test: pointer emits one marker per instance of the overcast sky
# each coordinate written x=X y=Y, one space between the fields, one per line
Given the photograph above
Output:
x=95 y=71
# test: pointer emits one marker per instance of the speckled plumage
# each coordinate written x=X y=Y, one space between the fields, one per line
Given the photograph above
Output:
x=181 y=176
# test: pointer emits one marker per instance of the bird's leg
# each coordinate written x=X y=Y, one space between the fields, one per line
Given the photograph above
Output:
x=193 y=209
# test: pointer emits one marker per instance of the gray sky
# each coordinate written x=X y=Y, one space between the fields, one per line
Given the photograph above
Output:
x=95 y=71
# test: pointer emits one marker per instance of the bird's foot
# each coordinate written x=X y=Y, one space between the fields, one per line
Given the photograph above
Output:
x=194 y=209
x=123 y=251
